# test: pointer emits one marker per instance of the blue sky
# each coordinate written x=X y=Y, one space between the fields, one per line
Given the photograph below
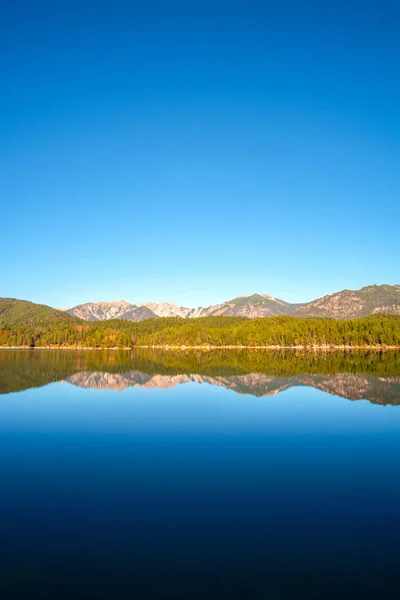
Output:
x=196 y=151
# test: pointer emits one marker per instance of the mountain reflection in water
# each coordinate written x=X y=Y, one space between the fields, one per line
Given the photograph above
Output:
x=353 y=387
x=193 y=492
x=374 y=376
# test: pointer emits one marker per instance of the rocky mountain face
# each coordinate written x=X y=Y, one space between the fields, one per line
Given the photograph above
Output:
x=138 y=313
x=244 y=306
x=99 y=311
x=167 y=309
x=350 y=304
x=103 y=311
x=347 y=304
x=253 y=306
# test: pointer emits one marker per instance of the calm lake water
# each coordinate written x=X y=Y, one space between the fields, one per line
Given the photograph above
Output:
x=177 y=475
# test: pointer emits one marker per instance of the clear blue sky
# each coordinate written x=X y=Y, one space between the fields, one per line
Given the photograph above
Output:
x=194 y=151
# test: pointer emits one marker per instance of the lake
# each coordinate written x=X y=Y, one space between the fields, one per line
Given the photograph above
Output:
x=184 y=475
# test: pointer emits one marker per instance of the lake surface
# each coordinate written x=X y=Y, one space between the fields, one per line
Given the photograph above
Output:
x=179 y=475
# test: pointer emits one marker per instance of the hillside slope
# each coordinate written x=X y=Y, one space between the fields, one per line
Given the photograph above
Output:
x=23 y=313
x=350 y=304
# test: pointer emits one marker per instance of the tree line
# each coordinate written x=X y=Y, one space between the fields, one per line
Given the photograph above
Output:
x=64 y=331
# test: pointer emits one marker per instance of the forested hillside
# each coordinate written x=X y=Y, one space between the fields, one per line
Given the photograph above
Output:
x=271 y=331
x=27 y=324
x=21 y=313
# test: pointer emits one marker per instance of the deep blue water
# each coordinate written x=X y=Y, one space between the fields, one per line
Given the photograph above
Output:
x=197 y=492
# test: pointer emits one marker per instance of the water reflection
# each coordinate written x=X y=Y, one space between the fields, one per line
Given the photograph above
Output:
x=346 y=385
x=200 y=491
x=372 y=376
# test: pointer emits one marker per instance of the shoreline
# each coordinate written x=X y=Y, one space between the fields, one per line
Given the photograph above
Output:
x=205 y=347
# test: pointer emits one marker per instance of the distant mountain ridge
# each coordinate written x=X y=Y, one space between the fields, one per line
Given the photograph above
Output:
x=104 y=311
x=350 y=304
x=346 y=304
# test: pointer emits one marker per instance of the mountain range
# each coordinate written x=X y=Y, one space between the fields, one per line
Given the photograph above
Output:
x=379 y=390
x=346 y=304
